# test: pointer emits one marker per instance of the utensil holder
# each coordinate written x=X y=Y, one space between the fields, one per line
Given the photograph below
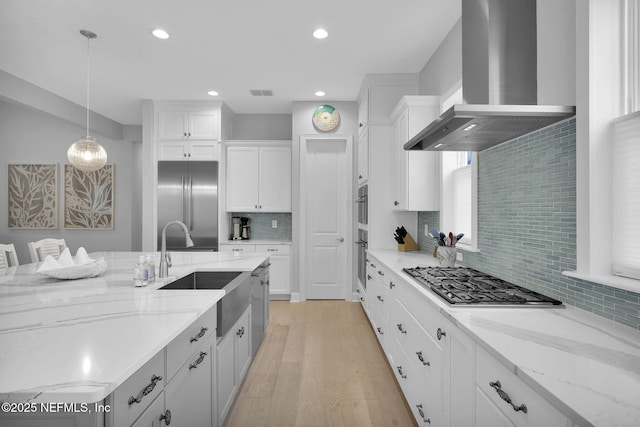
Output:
x=408 y=245
x=447 y=256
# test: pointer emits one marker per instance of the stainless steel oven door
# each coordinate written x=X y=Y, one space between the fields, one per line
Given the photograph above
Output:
x=362 y=257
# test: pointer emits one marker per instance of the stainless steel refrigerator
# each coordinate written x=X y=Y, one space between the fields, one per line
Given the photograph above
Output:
x=188 y=192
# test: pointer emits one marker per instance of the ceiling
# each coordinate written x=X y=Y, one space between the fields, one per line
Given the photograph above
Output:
x=227 y=46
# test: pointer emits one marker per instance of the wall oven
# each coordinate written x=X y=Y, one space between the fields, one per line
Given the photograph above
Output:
x=362 y=257
x=363 y=214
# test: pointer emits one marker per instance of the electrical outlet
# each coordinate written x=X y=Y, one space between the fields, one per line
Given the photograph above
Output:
x=426 y=230
x=459 y=256
x=274 y=223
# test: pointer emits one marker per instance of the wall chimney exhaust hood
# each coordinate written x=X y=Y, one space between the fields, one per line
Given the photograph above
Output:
x=499 y=81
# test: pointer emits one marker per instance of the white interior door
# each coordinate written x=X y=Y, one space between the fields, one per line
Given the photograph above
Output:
x=326 y=226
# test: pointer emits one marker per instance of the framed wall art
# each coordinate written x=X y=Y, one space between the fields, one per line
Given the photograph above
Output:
x=88 y=198
x=33 y=196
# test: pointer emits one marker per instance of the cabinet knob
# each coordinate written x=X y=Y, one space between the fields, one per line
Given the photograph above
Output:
x=360 y=124
x=189 y=155
x=359 y=176
x=440 y=333
x=184 y=154
x=392 y=285
x=189 y=134
x=184 y=134
x=396 y=203
x=380 y=298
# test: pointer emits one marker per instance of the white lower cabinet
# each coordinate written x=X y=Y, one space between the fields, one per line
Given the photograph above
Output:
x=176 y=386
x=502 y=399
x=447 y=379
x=189 y=394
x=233 y=357
x=280 y=264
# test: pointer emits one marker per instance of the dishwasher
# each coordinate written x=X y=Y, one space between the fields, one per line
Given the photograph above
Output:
x=259 y=305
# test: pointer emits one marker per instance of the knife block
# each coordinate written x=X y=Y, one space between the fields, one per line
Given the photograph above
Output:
x=408 y=245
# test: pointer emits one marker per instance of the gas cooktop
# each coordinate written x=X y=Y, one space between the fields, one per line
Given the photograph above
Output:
x=461 y=285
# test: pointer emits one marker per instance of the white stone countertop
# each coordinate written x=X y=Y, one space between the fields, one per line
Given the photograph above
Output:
x=78 y=340
x=586 y=366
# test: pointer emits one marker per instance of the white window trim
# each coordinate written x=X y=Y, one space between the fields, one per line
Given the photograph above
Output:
x=600 y=99
x=448 y=162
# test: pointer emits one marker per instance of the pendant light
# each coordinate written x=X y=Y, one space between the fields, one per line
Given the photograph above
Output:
x=86 y=154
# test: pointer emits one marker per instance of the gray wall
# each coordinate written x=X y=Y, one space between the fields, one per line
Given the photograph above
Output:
x=444 y=68
x=261 y=127
x=31 y=136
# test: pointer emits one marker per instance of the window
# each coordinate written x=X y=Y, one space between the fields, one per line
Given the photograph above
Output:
x=626 y=196
x=458 y=212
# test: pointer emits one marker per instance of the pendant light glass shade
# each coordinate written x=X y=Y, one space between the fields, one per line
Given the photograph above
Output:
x=86 y=154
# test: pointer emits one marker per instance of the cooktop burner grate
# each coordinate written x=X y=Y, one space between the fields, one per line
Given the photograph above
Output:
x=461 y=285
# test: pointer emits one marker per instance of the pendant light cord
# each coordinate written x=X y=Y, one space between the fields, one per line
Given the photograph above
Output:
x=88 y=71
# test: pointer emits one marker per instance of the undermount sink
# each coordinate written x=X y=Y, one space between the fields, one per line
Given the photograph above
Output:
x=237 y=293
x=204 y=280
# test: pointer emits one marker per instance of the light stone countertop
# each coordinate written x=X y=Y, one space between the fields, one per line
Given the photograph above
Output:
x=587 y=366
x=78 y=340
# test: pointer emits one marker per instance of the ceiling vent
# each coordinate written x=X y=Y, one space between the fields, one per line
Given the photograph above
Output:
x=261 y=92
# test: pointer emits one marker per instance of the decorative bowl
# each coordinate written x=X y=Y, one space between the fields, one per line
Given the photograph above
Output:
x=83 y=271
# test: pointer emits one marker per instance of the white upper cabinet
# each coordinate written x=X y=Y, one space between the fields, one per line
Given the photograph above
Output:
x=188 y=125
x=258 y=178
x=416 y=183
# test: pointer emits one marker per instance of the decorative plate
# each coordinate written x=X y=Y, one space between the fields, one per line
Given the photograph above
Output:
x=326 y=118
x=83 y=271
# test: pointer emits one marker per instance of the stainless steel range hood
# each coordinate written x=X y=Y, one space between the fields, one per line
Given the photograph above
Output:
x=499 y=81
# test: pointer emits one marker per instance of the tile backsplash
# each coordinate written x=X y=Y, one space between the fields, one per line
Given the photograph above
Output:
x=527 y=223
x=261 y=229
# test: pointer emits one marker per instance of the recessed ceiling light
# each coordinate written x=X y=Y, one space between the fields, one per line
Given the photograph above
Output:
x=160 y=33
x=320 y=33
x=320 y=93
x=213 y=93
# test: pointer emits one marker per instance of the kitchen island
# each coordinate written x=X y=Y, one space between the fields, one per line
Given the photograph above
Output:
x=77 y=341
x=586 y=367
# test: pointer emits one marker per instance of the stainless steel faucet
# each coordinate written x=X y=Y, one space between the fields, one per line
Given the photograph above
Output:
x=165 y=257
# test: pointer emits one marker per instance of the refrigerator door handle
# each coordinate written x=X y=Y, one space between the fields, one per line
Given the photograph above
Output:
x=190 y=206
x=182 y=199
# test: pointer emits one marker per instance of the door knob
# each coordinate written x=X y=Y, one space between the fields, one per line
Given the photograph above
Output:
x=341 y=239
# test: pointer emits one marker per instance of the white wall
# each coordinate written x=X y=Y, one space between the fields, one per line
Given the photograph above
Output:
x=31 y=136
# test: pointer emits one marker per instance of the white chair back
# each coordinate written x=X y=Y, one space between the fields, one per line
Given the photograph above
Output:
x=40 y=249
x=8 y=256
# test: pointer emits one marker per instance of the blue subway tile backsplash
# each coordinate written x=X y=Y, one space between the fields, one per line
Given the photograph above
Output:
x=527 y=222
x=261 y=229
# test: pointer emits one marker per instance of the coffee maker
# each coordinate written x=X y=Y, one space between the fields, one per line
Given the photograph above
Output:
x=245 y=227
x=237 y=228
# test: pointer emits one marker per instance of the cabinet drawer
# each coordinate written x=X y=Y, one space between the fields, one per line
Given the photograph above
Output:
x=238 y=248
x=427 y=315
x=185 y=344
x=425 y=354
x=492 y=376
x=274 y=249
x=132 y=397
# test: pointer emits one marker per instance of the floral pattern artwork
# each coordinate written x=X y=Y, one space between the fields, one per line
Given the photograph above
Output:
x=88 y=198
x=33 y=196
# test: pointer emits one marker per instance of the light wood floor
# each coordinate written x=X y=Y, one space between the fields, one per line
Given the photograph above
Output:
x=319 y=365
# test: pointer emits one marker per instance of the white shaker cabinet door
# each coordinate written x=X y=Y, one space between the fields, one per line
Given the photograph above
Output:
x=242 y=179
x=275 y=179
